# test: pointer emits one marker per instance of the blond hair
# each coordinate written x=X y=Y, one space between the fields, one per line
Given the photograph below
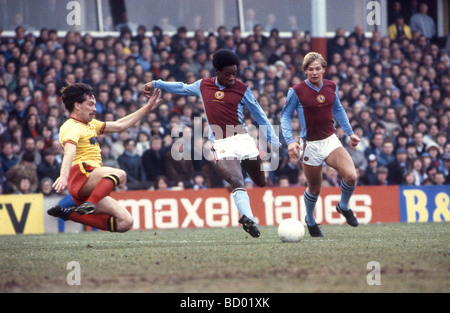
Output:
x=311 y=57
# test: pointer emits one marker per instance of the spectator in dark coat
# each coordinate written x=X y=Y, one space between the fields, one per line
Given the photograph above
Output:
x=7 y=158
x=24 y=169
x=131 y=163
x=153 y=159
x=398 y=168
x=49 y=167
x=177 y=167
x=290 y=170
x=370 y=173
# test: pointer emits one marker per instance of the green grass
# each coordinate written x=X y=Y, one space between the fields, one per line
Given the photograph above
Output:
x=412 y=257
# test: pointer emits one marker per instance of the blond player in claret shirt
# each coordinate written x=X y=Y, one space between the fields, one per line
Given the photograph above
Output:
x=316 y=101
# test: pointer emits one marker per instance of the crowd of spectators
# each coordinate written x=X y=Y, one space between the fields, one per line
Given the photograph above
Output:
x=396 y=91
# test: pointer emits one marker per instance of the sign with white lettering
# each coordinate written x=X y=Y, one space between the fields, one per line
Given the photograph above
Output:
x=216 y=208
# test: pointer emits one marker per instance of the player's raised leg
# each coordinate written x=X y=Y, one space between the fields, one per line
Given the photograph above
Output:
x=97 y=188
x=101 y=183
x=99 y=210
x=121 y=220
x=109 y=216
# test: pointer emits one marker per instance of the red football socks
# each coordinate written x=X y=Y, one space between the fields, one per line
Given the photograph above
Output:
x=100 y=221
x=104 y=187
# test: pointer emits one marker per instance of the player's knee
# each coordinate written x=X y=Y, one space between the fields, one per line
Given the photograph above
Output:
x=125 y=223
x=314 y=190
x=121 y=174
x=351 y=179
x=261 y=183
x=236 y=182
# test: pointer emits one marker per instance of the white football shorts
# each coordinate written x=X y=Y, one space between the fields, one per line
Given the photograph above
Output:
x=241 y=147
x=317 y=151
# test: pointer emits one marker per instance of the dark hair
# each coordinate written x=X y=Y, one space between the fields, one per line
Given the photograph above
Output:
x=161 y=177
x=48 y=151
x=157 y=29
x=127 y=141
x=75 y=92
x=182 y=29
x=224 y=58
x=28 y=156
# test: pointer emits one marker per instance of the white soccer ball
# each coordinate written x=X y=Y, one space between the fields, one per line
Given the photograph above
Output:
x=291 y=230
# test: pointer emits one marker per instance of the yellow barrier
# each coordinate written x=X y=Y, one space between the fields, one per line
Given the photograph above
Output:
x=21 y=214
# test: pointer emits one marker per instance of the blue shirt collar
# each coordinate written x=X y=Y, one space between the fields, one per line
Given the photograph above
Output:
x=314 y=87
x=216 y=81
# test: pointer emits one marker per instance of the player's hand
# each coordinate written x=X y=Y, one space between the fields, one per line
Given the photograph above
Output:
x=294 y=150
x=354 y=140
x=154 y=100
x=60 y=184
x=147 y=89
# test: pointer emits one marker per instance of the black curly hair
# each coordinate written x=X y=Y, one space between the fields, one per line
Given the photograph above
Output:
x=75 y=92
x=224 y=58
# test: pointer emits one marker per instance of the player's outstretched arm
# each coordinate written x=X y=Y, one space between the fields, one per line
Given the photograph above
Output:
x=131 y=119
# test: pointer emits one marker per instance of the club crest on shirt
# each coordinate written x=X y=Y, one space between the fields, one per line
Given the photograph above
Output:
x=219 y=94
x=320 y=98
x=94 y=140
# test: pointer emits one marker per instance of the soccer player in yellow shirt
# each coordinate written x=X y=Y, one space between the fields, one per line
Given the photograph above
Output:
x=88 y=182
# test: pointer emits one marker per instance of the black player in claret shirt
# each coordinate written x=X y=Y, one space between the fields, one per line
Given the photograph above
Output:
x=224 y=98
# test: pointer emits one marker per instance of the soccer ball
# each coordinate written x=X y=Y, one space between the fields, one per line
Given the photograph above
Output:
x=291 y=230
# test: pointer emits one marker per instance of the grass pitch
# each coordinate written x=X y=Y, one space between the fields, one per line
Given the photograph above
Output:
x=412 y=258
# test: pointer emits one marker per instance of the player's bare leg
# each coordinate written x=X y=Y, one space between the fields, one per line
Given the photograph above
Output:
x=253 y=169
x=101 y=183
x=313 y=175
x=98 y=174
x=342 y=162
x=122 y=218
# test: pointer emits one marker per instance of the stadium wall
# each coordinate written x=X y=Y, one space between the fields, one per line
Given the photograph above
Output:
x=26 y=214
